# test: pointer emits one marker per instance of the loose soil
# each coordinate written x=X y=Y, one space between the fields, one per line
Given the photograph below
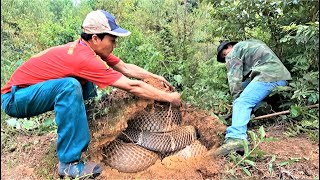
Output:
x=34 y=157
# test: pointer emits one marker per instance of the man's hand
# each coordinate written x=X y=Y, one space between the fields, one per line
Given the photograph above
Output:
x=147 y=91
x=165 y=82
x=175 y=99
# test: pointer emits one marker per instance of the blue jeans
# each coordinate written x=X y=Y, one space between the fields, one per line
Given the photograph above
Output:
x=66 y=97
x=252 y=95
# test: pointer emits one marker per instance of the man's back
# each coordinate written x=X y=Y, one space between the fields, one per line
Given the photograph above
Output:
x=69 y=60
x=259 y=62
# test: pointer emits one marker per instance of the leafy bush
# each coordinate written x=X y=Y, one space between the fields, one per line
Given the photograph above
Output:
x=178 y=40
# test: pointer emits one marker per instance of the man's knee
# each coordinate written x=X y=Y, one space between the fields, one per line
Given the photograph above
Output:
x=72 y=81
x=72 y=85
x=245 y=102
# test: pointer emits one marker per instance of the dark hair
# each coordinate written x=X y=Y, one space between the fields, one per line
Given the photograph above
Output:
x=87 y=37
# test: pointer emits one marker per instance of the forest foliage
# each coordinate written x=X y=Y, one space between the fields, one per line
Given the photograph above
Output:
x=178 y=39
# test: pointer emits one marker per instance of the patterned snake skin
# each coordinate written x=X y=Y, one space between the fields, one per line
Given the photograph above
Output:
x=128 y=157
x=149 y=133
x=161 y=142
x=158 y=121
x=195 y=149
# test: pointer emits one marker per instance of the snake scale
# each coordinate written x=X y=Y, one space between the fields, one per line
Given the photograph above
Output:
x=128 y=157
x=159 y=120
x=162 y=142
x=152 y=134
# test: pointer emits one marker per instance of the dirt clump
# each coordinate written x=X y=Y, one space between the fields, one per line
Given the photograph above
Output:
x=210 y=129
x=158 y=84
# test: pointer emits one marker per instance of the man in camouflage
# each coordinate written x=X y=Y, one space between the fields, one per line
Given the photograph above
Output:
x=253 y=71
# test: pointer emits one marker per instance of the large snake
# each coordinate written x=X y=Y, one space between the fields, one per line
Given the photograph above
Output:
x=149 y=133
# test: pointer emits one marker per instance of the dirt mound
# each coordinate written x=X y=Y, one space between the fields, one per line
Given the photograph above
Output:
x=122 y=106
x=210 y=129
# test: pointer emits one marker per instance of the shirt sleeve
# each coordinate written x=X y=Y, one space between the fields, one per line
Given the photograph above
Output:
x=112 y=60
x=97 y=71
x=235 y=75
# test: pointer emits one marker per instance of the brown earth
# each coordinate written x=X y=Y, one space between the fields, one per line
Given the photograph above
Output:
x=34 y=156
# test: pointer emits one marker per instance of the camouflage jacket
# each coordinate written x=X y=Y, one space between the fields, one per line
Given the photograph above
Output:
x=254 y=60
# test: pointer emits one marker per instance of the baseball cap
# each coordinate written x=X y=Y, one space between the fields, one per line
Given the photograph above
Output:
x=100 y=21
x=222 y=46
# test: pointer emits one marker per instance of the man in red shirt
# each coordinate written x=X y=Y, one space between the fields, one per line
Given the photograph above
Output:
x=62 y=77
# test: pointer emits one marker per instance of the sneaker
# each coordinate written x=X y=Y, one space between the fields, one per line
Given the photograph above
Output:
x=230 y=145
x=79 y=169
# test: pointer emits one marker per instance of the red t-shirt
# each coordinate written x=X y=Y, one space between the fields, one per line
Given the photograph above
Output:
x=70 y=60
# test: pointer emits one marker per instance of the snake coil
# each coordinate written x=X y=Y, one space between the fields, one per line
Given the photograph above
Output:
x=149 y=133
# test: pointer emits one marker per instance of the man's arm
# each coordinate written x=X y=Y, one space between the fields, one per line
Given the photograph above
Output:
x=144 y=90
x=134 y=71
x=235 y=75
